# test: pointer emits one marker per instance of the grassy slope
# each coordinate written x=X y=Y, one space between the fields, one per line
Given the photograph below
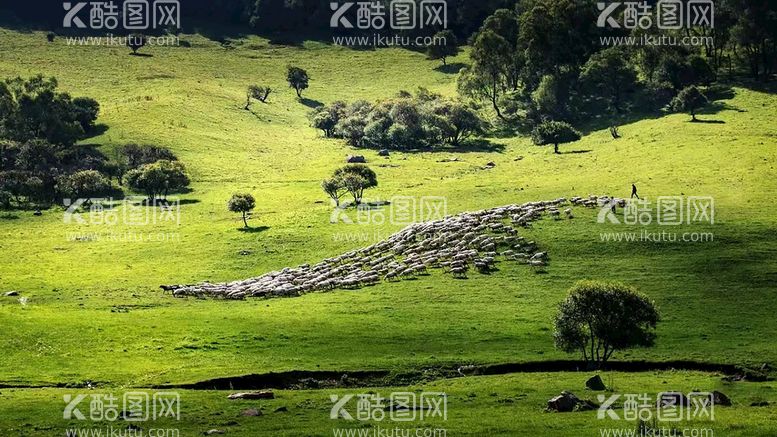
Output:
x=717 y=299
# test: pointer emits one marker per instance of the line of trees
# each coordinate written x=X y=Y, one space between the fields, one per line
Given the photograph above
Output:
x=426 y=120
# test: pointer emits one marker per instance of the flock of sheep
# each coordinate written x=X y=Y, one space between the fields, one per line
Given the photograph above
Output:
x=455 y=244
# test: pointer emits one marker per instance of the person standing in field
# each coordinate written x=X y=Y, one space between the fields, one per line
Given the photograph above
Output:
x=634 y=191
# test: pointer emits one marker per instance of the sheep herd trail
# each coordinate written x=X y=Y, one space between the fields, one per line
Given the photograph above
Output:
x=455 y=244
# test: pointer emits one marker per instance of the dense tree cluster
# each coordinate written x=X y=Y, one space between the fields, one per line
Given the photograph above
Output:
x=426 y=120
x=34 y=109
x=544 y=59
x=39 y=161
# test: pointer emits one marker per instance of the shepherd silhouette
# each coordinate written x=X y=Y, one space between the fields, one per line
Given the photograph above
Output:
x=634 y=191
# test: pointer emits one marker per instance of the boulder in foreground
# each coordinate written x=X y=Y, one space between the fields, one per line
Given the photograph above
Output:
x=595 y=383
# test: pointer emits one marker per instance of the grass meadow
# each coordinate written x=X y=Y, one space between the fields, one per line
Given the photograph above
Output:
x=92 y=309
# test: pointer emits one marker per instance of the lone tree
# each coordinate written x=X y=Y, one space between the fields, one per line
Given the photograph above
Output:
x=258 y=93
x=598 y=318
x=554 y=132
x=689 y=100
x=242 y=203
x=355 y=178
x=298 y=79
x=158 y=179
x=136 y=41
x=444 y=44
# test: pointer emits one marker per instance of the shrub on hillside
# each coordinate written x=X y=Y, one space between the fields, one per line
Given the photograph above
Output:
x=405 y=122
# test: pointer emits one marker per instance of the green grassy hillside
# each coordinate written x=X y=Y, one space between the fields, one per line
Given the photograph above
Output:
x=93 y=310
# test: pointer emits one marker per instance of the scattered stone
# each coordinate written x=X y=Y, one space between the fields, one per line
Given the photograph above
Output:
x=281 y=410
x=245 y=252
x=719 y=398
x=452 y=159
x=563 y=403
x=356 y=159
x=490 y=164
x=251 y=412
x=383 y=152
x=586 y=405
x=37 y=213
x=213 y=432
x=310 y=383
x=732 y=378
x=595 y=383
x=469 y=370
x=759 y=404
x=263 y=394
x=518 y=158
x=12 y=293
x=753 y=375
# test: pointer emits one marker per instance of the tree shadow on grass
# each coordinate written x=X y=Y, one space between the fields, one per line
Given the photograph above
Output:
x=310 y=103
x=96 y=130
x=720 y=92
x=575 y=152
x=476 y=145
x=698 y=120
x=253 y=230
x=142 y=55
x=9 y=216
x=452 y=68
